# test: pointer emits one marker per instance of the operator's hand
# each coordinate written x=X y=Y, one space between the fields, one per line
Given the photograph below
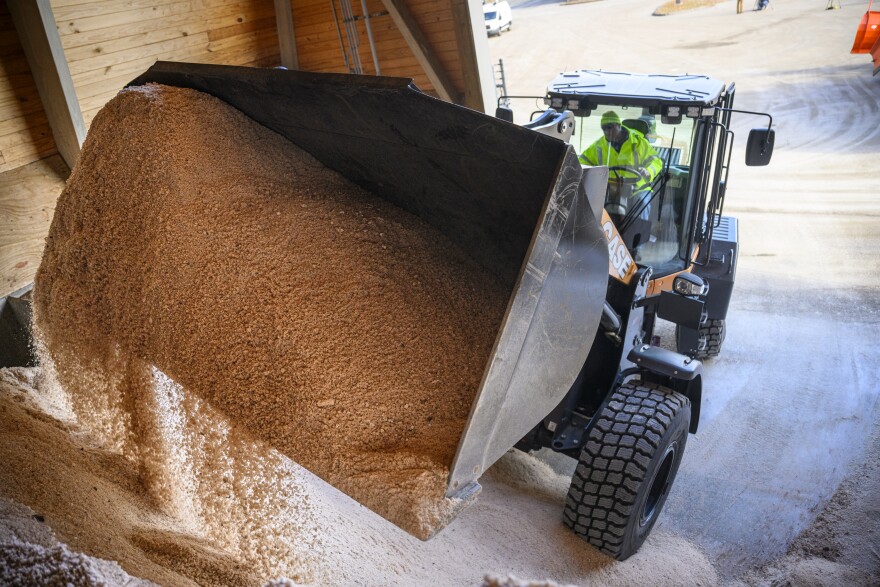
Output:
x=644 y=174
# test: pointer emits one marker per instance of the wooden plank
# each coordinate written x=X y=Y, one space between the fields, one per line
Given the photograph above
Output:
x=303 y=4
x=102 y=61
x=120 y=19
x=102 y=7
x=197 y=4
x=20 y=103
x=286 y=34
x=63 y=4
x=238 y=55
x=11 y=96
x=143 y=16
x=129 y=68
x=19 y=264
x=24 y=136
x=270 y=61
x=256 y=38
x=395 y=46
x=321 y=10
x=13 y=124
x=431 y=29
x=105 y=86
x=223 y=23
x=27 y=202
x=26 y=153
x=262 y=24
x=188 y=23
x=399 y=62
x=20 y=124
x=29 y=154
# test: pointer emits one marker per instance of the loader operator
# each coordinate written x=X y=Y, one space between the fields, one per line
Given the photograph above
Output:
x=633 y=164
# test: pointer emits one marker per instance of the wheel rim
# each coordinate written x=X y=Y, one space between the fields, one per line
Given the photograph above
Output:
x=659 y=485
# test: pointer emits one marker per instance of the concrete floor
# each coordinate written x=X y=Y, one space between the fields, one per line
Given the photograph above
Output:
x=789 y=405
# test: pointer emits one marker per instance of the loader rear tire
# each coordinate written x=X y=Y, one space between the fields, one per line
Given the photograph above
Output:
x=627 y=467
x=713 y=330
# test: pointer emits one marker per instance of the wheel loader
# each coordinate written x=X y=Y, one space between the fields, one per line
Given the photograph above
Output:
x=672 y=256
x=590 y=262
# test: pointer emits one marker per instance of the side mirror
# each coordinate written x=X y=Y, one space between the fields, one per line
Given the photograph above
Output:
x=760 y=146
x=504 y=113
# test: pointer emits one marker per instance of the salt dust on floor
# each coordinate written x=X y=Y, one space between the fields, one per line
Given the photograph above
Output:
x=92 y=500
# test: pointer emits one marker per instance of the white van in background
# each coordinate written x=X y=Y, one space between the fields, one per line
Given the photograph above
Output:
x=498 y=17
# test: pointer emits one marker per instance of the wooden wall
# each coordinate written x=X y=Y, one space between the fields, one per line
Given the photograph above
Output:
x=24 y=130
x=110 y=42
x=319 y=48
x=107 y=43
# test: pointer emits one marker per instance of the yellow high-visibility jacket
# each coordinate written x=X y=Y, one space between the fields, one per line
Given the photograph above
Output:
x=636 y=155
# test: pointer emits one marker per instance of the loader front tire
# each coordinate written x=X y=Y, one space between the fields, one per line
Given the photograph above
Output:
x=627 y=467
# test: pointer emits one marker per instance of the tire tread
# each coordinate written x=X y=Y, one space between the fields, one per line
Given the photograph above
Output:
x=606 y=482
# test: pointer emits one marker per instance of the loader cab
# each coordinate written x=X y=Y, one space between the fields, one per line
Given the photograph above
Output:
x=666 y=224
x=651 y=217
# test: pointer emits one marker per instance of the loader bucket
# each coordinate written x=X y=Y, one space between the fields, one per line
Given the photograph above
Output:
x=518 y=202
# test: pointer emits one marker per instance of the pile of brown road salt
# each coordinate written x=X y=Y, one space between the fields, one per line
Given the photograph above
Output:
x=211 y=292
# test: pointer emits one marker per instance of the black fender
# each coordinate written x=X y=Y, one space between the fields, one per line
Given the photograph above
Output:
x=673 y=370
x=720 y=271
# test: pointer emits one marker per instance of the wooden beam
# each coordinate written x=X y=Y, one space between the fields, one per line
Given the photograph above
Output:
x=35 y=24
x=473 y=48
x=286 y=34
x=422 y=50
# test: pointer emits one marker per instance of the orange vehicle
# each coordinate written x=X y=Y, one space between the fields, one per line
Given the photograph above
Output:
x=868 y=36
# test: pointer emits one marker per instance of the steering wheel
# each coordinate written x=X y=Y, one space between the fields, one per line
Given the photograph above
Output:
x=617 y=169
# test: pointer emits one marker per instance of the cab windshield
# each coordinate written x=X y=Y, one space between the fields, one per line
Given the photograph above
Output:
x=649 y=176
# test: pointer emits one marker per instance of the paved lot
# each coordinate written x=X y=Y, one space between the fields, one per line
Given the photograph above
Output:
x=791 y=402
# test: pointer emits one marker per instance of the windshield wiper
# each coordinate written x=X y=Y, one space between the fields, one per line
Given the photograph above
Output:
x=637 y=210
